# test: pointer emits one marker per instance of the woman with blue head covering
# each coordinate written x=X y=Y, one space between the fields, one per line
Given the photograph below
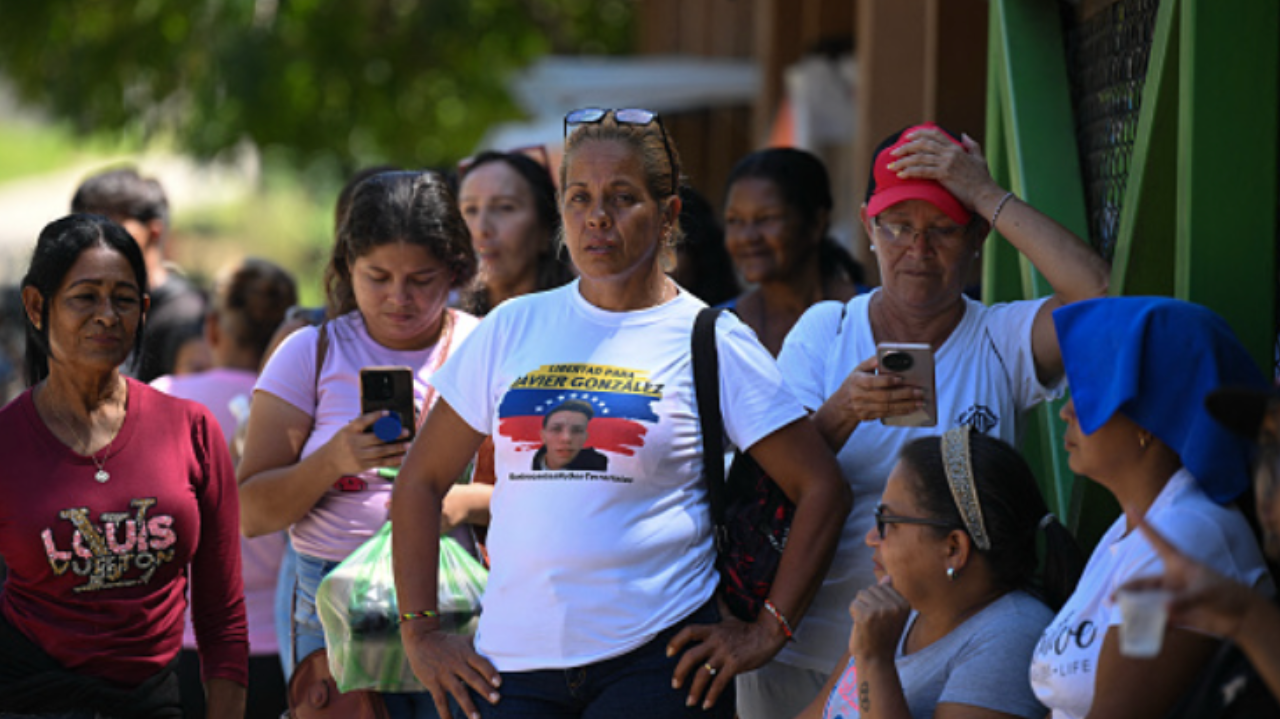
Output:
x=1139 y=370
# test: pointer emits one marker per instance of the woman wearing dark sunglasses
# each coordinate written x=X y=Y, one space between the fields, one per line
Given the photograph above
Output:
x=950 y=625
x=601 y=599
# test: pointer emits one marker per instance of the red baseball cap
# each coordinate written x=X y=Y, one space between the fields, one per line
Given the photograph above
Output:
x=887 y=189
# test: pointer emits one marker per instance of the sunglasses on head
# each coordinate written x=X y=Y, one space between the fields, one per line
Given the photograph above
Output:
x=625 y=116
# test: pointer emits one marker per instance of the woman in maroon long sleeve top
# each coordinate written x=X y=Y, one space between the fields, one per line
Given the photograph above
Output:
x=117 y=502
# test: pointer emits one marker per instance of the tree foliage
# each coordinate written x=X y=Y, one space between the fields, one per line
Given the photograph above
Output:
x=414 y=82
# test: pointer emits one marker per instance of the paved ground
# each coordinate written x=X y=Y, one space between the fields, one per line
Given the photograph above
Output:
x=27 y=205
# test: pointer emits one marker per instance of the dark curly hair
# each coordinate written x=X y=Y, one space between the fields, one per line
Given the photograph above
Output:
x=412 y=207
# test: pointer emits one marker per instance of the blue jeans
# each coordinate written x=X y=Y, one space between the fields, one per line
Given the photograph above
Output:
x=284 y=607
x=632 y=686
x=308 y=635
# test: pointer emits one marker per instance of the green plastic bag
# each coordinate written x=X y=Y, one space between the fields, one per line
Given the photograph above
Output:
x=357 y=606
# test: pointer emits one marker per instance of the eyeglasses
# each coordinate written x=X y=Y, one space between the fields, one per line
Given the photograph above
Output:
x=900 y=233
x=537 y=153
x=883 y=519
x=626 y=116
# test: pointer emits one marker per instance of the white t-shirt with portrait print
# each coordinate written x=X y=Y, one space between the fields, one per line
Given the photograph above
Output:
x=1065 y=663
x=590 y=564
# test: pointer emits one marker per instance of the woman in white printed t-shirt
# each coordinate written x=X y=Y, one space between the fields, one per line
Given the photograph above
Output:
x=601 y=593
x=1140 y=369
x=309 y=463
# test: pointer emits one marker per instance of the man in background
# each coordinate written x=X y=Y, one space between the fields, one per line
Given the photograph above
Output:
x=139 y=205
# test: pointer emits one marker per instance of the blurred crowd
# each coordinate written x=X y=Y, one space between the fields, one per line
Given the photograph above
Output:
x=206 y=456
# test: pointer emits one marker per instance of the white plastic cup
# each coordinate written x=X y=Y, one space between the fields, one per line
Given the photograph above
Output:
x=1143 y=615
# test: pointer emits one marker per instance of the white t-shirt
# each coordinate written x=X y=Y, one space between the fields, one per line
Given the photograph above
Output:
x=985 y=375
x=355 y=507
x=588 y=564
x=1064 y=666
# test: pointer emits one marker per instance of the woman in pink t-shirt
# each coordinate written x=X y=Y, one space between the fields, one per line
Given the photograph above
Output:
x=250 y=300
x=309 y=464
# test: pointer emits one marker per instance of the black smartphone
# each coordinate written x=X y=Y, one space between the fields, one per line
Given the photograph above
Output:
x=388 y=388
x=915 y=363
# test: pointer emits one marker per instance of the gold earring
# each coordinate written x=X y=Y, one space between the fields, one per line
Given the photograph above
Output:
x=1143 y=440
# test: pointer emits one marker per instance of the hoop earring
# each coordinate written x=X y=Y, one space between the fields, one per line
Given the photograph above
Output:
x=951 y=574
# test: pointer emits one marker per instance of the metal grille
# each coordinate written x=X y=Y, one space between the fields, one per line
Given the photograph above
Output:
x=1107 y=57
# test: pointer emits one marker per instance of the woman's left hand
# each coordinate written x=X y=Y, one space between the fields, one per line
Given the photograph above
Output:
x=932 y=155
x=715 y=653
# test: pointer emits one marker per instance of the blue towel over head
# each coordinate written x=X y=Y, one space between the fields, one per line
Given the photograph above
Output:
x=1156 y=359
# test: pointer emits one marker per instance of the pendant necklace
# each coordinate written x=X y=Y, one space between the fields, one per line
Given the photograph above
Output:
x=102 y=476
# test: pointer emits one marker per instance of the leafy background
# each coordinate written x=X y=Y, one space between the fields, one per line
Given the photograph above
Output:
x=317 y=88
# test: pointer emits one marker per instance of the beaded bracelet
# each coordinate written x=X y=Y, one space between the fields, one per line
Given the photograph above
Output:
x=995 y=215
x=426 y=614
x=786 y=626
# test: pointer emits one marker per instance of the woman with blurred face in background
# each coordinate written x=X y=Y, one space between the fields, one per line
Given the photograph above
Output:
x=250 y=299
x=777 y=214
x=509 y=203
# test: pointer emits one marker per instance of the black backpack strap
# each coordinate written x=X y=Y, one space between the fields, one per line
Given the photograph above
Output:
x=706 y=386
x=322 y=349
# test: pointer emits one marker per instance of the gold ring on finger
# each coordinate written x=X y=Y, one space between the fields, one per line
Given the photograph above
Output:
x=710 y=669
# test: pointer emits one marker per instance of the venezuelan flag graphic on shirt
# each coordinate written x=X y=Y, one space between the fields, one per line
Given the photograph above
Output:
x=622 y=400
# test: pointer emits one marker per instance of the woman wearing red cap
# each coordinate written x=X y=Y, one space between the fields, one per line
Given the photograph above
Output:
x=929 y=207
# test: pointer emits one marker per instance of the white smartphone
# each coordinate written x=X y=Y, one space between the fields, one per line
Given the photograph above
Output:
x=914 y=362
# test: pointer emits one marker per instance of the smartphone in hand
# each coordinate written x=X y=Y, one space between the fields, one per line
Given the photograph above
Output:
x=388 y=388
x=914 y=362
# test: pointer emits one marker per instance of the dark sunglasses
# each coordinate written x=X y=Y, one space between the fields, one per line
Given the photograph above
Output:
x=883 y=519
x=626 y=116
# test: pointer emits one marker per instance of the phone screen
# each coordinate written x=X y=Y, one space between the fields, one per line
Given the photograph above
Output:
x=390 y=389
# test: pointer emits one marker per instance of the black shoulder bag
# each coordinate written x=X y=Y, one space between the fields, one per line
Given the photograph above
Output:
x=752 y=515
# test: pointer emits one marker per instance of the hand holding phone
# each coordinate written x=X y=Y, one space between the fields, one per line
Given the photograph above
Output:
x=389 y=389
x=914 y=363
